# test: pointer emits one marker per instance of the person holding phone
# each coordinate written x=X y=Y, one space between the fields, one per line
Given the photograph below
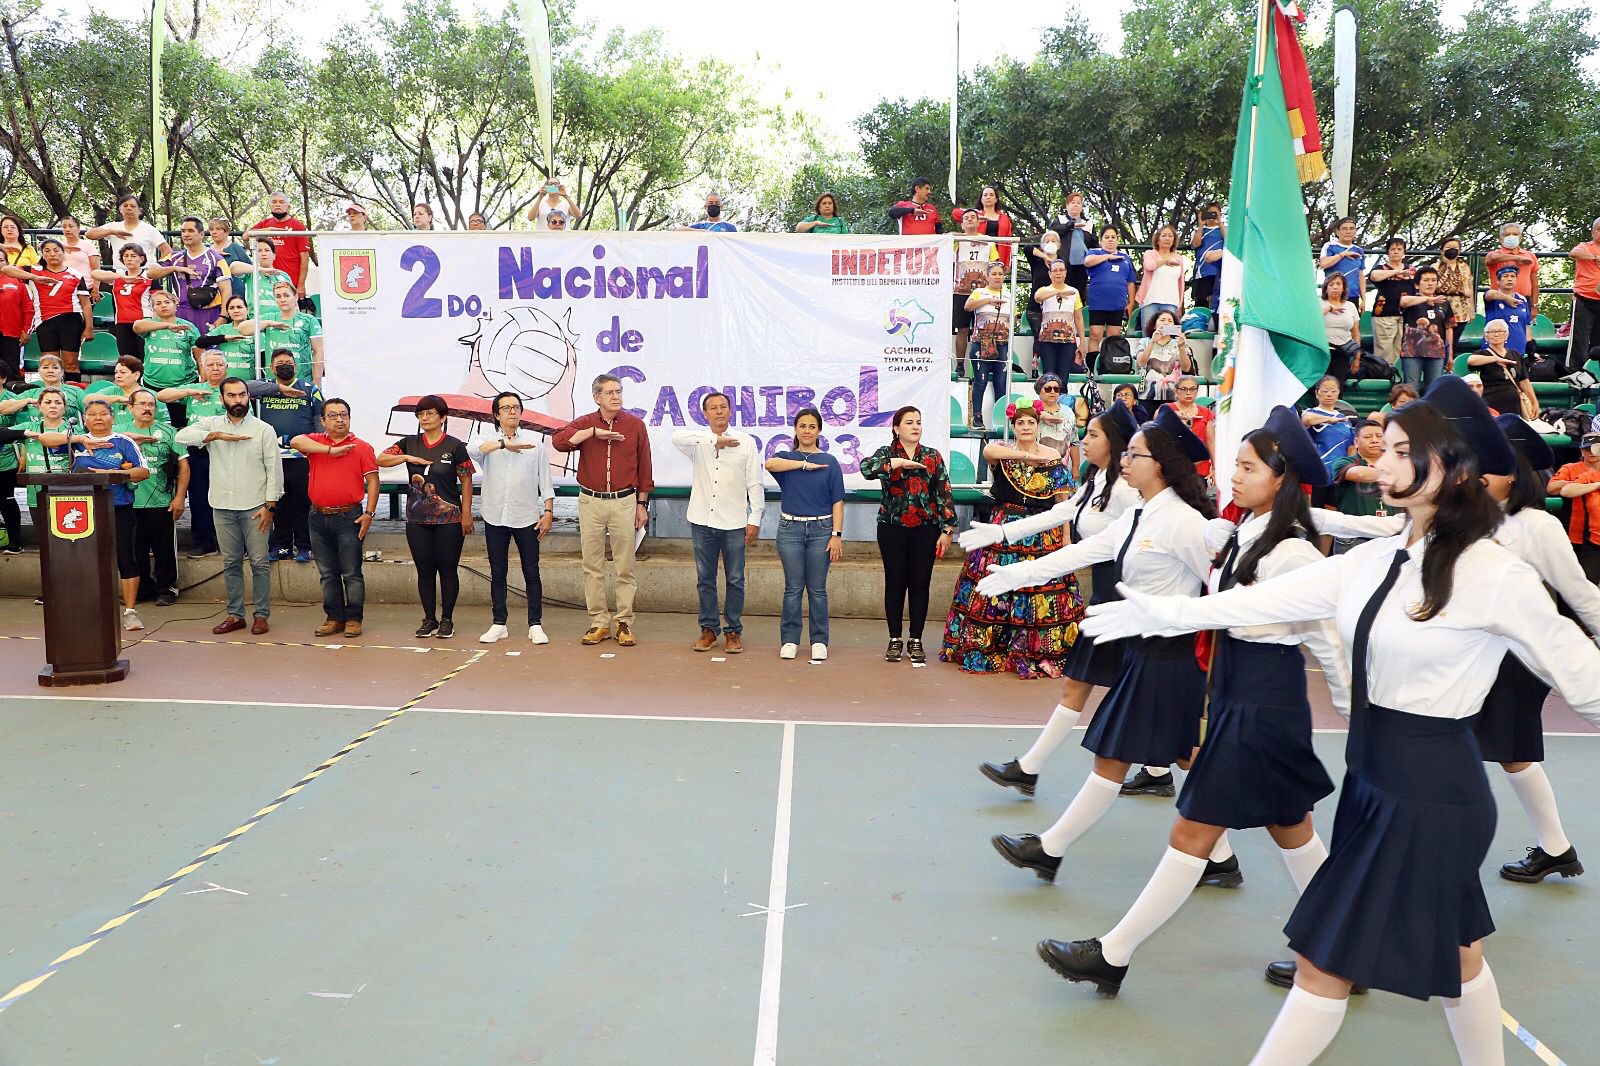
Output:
x=1164 y=359
x=1207 y=241
x=553 y=197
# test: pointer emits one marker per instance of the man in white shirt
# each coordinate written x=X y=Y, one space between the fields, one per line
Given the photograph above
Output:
x=725 y=501
x=517 y=502
x=132 y=227
x=246 y=482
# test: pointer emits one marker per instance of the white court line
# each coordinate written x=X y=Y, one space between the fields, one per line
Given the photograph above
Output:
x=777 y=896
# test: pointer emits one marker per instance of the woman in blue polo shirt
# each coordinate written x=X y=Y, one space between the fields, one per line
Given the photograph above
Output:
x=810 y=531
x=1111 y=286
x=102 y=449
x=1343 y=256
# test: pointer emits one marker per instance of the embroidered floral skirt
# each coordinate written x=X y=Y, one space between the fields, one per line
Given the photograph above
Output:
x=1026 y=631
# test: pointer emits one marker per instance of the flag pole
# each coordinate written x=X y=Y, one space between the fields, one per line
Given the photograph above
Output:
x=158 y=142
x=1257 y=69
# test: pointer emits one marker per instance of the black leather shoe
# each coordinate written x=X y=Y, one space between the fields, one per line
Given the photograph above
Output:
x=1010 y=775
x=1540 y=864
x=1145 y=783
x=1224 y=874
x=895 y=651
x=1282 y=975
x=1081 y=960
x=1027 y=853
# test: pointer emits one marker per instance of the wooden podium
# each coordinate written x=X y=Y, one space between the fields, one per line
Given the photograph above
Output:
x=78 y=568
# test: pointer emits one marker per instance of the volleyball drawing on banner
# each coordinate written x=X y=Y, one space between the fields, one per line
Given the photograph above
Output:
x=854 y=326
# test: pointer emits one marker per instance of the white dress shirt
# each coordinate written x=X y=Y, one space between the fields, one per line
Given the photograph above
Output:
x=1533 y=535
x=1167 y=556
x=1080 y=507
x=726 y=492
x=1441 y=668
x=1319 y=636
x=244 y=474
x=516 y=484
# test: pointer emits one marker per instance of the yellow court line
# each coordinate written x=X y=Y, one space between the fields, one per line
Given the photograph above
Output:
x=204 y=857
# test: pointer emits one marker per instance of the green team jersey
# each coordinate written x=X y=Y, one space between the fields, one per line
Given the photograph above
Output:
x=239 y=350
x=296 y=336
x=169 y=356
x=161 y=456
x=201 y=406
x=60 y=458
x=256 y=288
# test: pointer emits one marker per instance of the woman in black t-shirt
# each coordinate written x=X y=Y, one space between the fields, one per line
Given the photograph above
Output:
x=438 y=511
x=1425 y=346
x=1505 y=379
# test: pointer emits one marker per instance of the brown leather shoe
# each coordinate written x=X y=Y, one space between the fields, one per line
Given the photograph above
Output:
x=733 y=643
x=231 y=624
x=259 y=627
x=707 y=641
x=625 y=635
x=596 y=634
x=352 y=629
x=329 y=628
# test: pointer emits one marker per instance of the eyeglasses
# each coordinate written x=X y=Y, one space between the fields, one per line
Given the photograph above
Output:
x=327 y=415
x=1137 y=455
x=1188 y=388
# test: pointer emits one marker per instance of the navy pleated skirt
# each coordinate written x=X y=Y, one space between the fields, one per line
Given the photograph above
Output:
x=1152 y=712
x=1400 y=892
x=1510 y=727
x=1256 y=767
x=1089 y=661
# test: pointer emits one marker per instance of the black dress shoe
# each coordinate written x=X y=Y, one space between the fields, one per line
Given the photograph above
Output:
x=1026 y=852
x=1010 y=775
x=1082 y=960
x=1224 y=874
x=1282 y=975
x=1540 y=864
x=1145 y=783
x=895 y=651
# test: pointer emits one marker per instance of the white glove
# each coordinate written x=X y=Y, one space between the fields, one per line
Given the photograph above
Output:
x=1137 y=614
x=1003 y=579
x=1218 y=530
x=981 y=535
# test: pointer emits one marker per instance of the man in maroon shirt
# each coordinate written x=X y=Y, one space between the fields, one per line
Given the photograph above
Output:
x=344 y=476
x=293 y=254
x=918 y=214
x=614 y=486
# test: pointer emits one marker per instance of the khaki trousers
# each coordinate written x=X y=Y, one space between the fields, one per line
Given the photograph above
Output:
x=596 y=519
x=1386 y=334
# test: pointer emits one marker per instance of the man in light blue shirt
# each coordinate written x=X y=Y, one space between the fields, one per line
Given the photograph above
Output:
x=714 y=222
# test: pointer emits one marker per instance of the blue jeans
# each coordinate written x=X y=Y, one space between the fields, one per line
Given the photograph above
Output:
x=803 y=549
x=1148 y=313
x=1421 y=372
x=996 y=371
x=498 y=541
x=336 y=546
x=709 y=543
x=238 y=535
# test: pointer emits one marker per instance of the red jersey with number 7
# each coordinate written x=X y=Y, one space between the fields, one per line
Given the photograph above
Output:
x=58 y=291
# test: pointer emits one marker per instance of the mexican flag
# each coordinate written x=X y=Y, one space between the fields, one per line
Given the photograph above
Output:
x=1270 y=338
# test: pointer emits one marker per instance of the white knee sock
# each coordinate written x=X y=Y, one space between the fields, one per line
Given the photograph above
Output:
x=1304 y=861
x=1539 y=801
x=1223 y=851
x=1475 y=1022
x=1304 y=1028
x=1062 y=719
x=1093 y=800
x=1167 y=890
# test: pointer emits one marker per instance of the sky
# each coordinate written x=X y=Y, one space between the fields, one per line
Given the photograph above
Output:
x=836 y=58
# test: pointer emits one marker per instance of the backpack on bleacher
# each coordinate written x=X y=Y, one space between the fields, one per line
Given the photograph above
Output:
x=1371 y=368
x=1546 y=368
x=1573 y=423
x=1116 y=356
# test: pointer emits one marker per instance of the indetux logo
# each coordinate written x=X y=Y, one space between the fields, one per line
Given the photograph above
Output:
x=903 y=318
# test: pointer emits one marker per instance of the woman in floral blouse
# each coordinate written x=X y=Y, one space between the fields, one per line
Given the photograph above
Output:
x=915 y=521
x=1456 y=282
x=1030 y=630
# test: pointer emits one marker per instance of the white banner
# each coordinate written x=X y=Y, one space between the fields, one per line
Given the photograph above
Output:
x=856 y=326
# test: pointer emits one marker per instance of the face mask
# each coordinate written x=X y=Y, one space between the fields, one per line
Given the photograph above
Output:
x=238 y=410
x=713 y=210
x=283 y=373
x=280 y=215
x=1511 y=241
x=1452 y=253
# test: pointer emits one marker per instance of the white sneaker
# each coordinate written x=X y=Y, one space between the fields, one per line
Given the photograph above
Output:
x=536 y=634
x=819 y=652
x=788 y=651
x=130 y=619
x=492 y=634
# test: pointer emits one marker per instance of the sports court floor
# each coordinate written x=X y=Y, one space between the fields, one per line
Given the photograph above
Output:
x=580 y=856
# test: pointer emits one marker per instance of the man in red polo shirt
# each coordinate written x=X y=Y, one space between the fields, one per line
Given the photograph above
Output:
x=293 y=255
x=343 y=474
x=918 y=214
x=1580 y=483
